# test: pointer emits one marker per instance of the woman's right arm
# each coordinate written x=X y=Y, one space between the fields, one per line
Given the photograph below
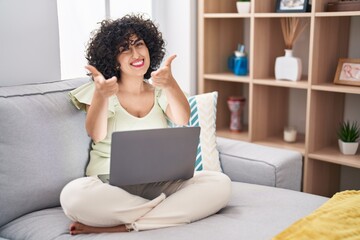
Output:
x=97 y=112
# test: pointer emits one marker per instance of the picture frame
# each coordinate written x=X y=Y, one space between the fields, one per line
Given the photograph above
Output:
x=291 y=5
x=348 y=72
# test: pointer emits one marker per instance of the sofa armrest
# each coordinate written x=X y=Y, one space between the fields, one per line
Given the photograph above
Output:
x=257 y=164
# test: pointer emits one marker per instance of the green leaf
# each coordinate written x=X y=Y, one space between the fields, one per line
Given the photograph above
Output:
x=349 y=132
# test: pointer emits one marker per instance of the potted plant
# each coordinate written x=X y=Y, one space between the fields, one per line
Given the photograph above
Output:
x=243 y=6
x=348 y=134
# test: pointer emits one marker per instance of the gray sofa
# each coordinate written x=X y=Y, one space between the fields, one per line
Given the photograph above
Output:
x=43 y=145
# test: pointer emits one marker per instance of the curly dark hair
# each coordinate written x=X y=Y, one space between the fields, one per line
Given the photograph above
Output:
x=103 y=47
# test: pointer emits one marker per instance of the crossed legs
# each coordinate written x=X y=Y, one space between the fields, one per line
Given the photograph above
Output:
x=97 y=207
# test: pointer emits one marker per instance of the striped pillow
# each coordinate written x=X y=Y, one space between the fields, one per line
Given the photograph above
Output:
x=203 y=114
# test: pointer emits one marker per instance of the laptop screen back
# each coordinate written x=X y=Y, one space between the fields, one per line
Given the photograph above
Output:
x=153 y=155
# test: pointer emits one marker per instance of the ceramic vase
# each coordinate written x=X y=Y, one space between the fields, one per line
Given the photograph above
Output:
x=348 y=148
x=288 y=67
x=236 y=107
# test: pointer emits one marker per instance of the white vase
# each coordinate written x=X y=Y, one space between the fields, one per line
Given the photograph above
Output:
x=288 y=67
x=243 y=7
x=348 y=148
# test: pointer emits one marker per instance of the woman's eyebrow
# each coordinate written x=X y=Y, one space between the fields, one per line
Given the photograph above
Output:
x=133 y=42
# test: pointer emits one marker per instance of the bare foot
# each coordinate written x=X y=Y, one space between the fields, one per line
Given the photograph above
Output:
x=79 y=228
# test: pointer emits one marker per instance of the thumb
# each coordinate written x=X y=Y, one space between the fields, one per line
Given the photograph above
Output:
x=112 y=80
x=169 y=60
x=154 y=73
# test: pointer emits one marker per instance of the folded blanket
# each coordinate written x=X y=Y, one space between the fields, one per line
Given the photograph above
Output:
x=338 y=218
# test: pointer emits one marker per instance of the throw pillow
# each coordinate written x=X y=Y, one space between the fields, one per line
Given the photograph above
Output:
x=203 y=114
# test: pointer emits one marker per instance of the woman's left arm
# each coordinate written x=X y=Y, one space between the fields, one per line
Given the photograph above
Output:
x=178 y=109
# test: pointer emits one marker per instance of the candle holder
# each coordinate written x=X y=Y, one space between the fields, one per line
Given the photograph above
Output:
x=290 y=134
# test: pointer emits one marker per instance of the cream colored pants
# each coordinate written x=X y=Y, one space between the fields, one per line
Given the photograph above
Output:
x=148 y=206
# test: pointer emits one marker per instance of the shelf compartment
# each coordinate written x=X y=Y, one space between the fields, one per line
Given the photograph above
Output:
x=321 y=178
x=261 y=6
x=275 y=107
x=227 y=76
x=331 y=43
x=223 y=6
x=225 y=35
x=321 y=5
x=269 y=44
x=326 y=111
x=225 y=90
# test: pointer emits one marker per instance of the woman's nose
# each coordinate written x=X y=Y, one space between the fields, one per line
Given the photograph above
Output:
x=135 y=53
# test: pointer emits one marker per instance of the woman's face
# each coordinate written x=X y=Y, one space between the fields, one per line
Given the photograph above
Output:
x=135 y=59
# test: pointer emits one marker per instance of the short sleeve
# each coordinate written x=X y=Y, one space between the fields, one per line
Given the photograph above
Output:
x=83 y=95
x=161 y=99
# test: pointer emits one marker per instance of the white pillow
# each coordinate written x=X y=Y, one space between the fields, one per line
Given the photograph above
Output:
x=203 y=114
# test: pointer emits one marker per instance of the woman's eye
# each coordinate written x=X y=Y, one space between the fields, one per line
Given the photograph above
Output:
x=123 y=49
x=139 y=44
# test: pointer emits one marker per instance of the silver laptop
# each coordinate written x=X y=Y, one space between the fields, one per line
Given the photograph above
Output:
x=153 y=155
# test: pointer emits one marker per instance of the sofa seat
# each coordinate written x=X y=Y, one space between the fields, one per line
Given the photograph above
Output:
x=254 y=212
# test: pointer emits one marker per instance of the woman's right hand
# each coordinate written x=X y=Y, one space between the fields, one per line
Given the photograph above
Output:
x=105 y=87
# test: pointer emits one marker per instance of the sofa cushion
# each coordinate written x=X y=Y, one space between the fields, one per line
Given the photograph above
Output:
x=254 y=212
x=203 y=114
x=42 y=135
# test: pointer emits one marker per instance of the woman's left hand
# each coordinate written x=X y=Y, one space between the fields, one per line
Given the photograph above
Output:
x=163 y=77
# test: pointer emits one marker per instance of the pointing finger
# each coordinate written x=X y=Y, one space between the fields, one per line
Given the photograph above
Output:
x=169 y=60
x=93 y=70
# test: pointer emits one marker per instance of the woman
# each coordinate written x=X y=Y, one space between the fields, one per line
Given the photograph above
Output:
x=123 y=54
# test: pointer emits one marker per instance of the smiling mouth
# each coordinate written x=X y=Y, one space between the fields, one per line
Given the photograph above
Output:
x=138 y=63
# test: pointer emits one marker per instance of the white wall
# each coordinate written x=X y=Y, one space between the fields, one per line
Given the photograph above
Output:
x=121 y=8
x=177 y=19
x=77 y=18
x=29 y=42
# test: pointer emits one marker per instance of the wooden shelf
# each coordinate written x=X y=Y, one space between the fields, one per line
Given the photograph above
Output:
x=227 y=77
x=226 y=133
x=333 y=155
x=317 y=104
x=303 y=84
x=330 y=87
x=279 y=142
x=227 y=15
x=281 y=15
x=337 y=14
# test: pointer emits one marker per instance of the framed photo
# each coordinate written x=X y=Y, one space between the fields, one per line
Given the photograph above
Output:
x=291 y=5
x=348 y=72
